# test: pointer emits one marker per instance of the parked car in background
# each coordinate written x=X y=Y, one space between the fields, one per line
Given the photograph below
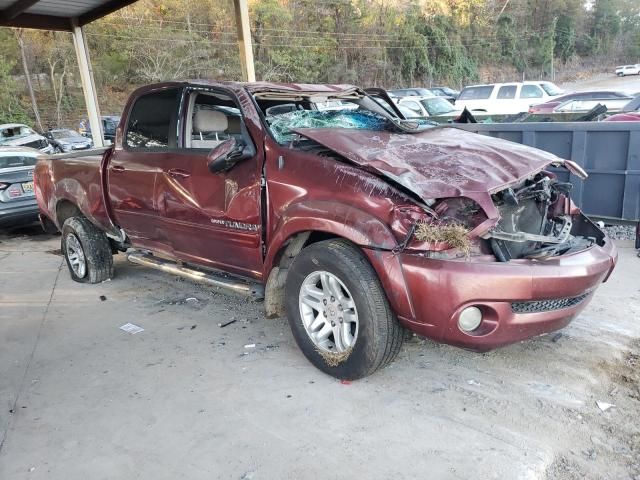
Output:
x=629 y=113
x=422 y=107
x=66 y=140
x=579 y=100
x=18 y=203
x=446 y=92
x=625 y=70
x=335 y=105
x=410 y=92
x=506 y=98
x=19 y=135
x=109 y=125
x=352 y=223
x=624 y=117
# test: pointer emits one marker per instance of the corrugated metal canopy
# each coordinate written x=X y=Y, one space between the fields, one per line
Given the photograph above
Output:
x=55 y=14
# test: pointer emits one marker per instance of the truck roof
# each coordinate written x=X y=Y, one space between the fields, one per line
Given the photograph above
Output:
x=254 y=87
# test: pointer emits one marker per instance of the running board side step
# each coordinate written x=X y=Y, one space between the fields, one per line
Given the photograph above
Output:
x=222 y=280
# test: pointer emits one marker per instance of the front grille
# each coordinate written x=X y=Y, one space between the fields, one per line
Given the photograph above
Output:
x=547 y=305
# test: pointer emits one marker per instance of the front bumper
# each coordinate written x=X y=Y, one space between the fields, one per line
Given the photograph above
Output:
x=560 y=287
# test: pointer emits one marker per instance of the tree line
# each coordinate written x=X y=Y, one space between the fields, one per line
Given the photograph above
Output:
x=387 y=43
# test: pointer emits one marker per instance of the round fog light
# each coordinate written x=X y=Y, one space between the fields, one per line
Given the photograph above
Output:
x=470 y=319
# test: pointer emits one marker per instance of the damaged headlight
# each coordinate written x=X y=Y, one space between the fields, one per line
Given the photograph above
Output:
x=447 y=227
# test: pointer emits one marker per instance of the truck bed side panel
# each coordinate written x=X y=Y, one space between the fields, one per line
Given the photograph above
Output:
x=78 y=180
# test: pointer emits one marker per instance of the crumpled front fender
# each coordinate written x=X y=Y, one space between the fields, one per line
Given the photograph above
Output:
x=335 y=218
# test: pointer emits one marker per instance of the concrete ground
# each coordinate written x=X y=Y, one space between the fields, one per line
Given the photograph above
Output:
x=81 y=399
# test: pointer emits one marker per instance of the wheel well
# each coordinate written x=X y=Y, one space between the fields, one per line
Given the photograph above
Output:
x=65 y=209
x=274 y=289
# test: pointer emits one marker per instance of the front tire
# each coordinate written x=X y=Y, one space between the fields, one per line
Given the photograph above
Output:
x=338 y=311
x=87 y=251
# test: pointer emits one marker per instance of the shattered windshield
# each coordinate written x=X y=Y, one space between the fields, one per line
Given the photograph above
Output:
x=282 y=125
x=352 y=109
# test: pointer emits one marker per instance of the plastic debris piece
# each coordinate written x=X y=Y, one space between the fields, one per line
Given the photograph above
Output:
x=193 y=327
x=103 y=298
x=473 y=382
x=604 y=406
x=192 y=299
x=222 y=325
x=250 y=345
x=345 y=382
x=131 y=328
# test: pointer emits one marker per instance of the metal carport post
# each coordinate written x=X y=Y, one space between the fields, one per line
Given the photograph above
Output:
x=88 y=83
x=72 y=15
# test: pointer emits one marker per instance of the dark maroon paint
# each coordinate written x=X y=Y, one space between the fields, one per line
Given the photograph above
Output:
x=172 y=204
x=624 y=117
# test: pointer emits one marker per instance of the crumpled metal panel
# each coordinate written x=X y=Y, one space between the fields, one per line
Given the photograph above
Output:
x=438 y=163
x=282 y=125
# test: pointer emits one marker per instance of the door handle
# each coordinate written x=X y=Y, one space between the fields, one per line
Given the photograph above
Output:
x=117 y=168
x=178 y=173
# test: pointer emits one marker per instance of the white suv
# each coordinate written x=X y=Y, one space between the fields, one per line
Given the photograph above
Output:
x=628 y=70
x=506 y=98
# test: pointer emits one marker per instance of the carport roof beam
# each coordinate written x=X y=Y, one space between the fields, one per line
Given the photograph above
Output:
x=55 y=14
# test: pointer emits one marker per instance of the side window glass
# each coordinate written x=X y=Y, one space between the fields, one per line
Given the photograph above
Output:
x=476 y=93
x=213 y=118
x=151 y=123
x=530 y=91
x=507 y=92
x=413 y=106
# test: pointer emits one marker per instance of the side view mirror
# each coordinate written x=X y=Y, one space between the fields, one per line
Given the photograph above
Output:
x=227 y=154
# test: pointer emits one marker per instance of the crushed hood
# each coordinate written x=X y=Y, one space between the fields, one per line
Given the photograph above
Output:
x=437 y=163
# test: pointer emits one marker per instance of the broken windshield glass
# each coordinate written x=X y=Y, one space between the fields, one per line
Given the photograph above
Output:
x=281 y=125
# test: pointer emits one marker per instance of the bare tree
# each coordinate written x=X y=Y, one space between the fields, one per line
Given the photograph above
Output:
x=27 y=75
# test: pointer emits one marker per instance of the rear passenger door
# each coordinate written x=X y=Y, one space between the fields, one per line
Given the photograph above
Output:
x=212 y=219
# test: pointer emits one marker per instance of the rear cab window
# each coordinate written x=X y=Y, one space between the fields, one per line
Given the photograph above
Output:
x=476 y=93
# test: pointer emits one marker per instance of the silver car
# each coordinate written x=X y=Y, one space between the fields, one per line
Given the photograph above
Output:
x=19 y=135
x=17 y=194
x=66 y=140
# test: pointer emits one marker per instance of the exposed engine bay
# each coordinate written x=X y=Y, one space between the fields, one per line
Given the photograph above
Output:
x=536 y=221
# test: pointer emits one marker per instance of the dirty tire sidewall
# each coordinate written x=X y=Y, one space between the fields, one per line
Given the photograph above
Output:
x=379 y=336
x=96 y=249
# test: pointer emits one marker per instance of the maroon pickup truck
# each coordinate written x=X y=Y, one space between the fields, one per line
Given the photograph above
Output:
x=322 y=199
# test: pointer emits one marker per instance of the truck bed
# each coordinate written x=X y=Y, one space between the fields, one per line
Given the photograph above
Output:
x=77 y=178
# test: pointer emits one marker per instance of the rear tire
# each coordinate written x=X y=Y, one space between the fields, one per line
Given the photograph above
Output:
x=336 y=269
x=87 y=251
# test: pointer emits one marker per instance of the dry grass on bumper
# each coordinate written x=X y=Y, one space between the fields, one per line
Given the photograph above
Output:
x=455 y=235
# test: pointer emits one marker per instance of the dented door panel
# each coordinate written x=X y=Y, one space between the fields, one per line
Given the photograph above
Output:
x=212 y=219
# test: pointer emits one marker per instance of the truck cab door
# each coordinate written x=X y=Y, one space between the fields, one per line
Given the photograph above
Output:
x=212 y=219
x=149 y=142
